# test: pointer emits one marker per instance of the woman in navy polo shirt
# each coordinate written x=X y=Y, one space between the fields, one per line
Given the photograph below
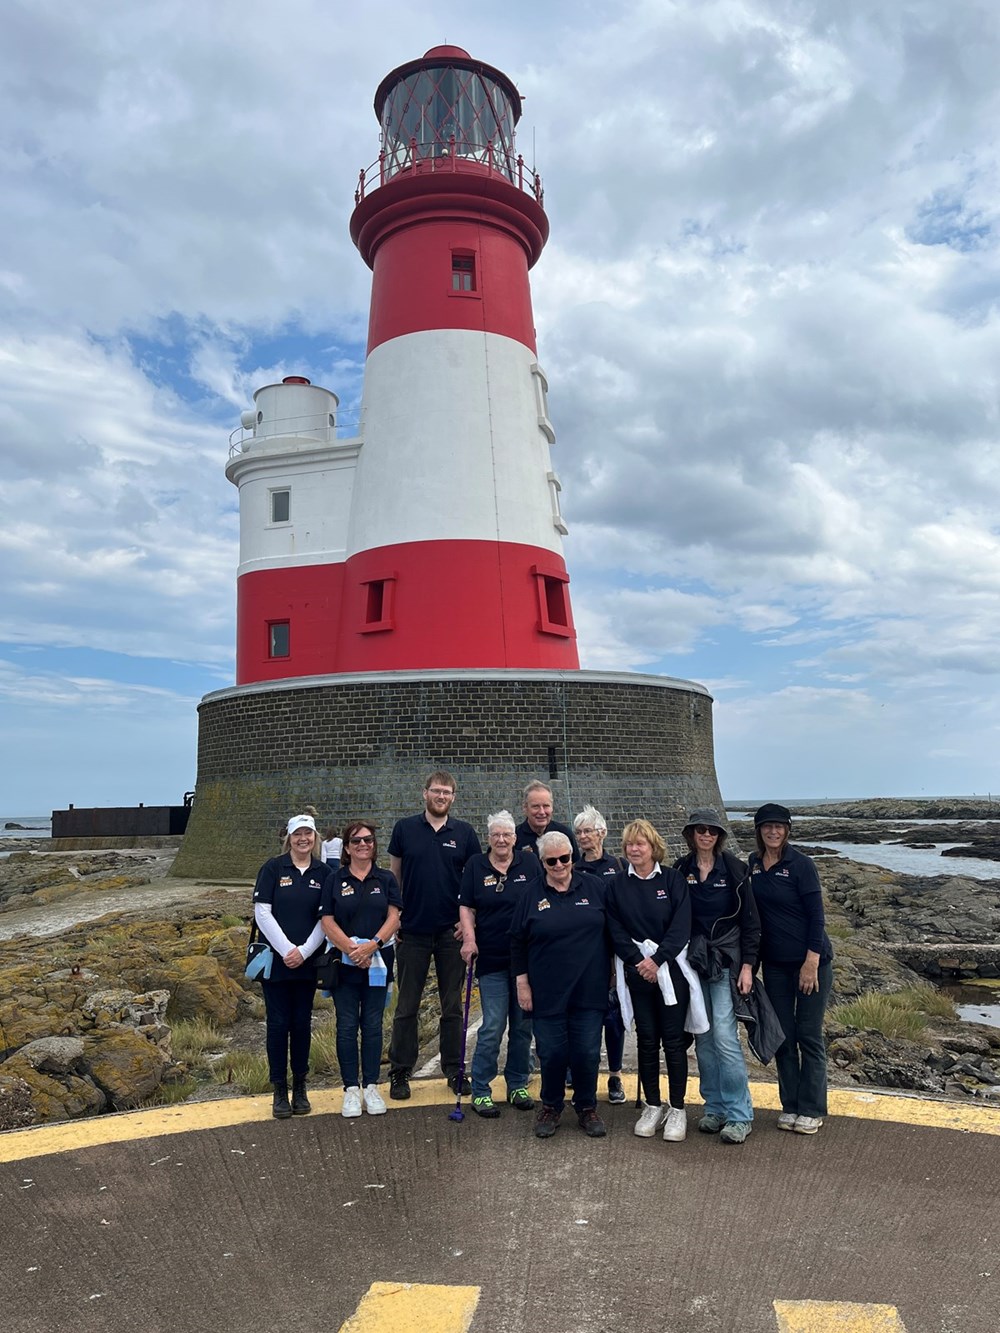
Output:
x=796 y=957
x=493 y=884
x=591 y=829
x=649 y=917
x=286 y=906
x=559 y=955
x=360 y=916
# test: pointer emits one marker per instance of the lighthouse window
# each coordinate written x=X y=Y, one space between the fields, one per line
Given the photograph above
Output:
x=463 y=273
x=280 y=506
x=379 y=596
x=553 y=603
x=278 y=638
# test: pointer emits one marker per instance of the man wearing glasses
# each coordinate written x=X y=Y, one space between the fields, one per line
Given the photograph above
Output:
x=427 y=854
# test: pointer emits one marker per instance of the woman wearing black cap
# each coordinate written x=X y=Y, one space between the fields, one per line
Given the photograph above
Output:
x=796 y=955
x=725 y=941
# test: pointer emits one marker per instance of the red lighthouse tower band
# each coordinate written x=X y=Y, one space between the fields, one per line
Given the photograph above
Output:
x=433 y=540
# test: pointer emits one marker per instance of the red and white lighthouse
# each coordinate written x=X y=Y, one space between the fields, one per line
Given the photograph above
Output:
x=432 y=540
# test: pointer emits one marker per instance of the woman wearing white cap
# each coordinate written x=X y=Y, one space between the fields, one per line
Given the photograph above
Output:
x=286 y=908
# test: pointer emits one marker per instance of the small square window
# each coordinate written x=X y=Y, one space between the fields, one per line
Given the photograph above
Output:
x=463 y=273
x=281 y=506
x=553 y=603
x=278 y=639
x=379 y=604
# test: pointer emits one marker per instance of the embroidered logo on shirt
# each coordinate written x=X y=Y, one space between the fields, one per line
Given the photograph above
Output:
x=661 y=893
x=543 y=903
x=453 y=843
x=583 y=902
x=782 y=873
x=692 y=879
x=285 y=882
x=489 y=880
x=346 y=890
x=313 y=884
x=376 y=888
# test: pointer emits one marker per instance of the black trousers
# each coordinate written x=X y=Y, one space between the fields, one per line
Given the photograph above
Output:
x=288 y=1005
x=658 y=1024
x=413 y=961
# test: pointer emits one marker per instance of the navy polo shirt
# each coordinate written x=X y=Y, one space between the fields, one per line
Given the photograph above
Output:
x=360 y=906
x=493 y=897
x=560 y=941
x=294 y=896
x=526 y=839
x=790 y=903
x=711 y=898
x=606 y=866
x=433 y=861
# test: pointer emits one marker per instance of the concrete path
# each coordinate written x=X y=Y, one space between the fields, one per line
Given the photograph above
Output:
x=214 y=1216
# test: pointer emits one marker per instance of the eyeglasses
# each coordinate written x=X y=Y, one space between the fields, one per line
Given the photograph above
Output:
x=440 y=791
x=705 y=828
x=502 y=833
x=367 y=837
x=559 y=860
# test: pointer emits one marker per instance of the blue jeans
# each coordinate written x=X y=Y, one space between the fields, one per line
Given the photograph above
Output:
x=288 y=1007
x=801 y=1058
x=358 y=1006
x=569 y=1041
x=498 y=997
x=722 y=1069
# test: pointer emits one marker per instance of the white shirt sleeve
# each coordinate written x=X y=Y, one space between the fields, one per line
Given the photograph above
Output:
x=313 y=942
x=270 y=929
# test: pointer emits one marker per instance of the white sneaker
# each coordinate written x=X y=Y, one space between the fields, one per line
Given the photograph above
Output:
x=787 y=1120
x=807 y=1124
x=650 y=1121
x=675 y=1126
x=374 y=1104
x=352 y=1103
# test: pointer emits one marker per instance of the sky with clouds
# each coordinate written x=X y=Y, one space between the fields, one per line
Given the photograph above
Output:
x=769 y=313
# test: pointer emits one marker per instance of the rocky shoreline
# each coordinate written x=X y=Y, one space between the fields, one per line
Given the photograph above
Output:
x=87 y=1005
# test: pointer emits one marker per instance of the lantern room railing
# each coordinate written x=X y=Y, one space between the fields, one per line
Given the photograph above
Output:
x=422 y=158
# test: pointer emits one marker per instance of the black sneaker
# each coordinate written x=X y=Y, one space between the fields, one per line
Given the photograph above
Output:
x=591 y=1123
x=547 y=1122
x=616 y=1092
x=466 y=1086
x=486 y=1107
x=399 y=1085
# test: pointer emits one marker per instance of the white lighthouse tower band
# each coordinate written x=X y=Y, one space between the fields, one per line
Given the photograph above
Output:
x=415 y=571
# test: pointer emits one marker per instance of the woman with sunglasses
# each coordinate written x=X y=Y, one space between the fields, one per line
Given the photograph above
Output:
x=649 y=917
x=286 y=904
x=360 y=916
x=560 y=958
x=725 y=941
x=493 y=884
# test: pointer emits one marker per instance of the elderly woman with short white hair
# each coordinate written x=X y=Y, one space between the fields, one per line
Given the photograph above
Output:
x=560 y=956
x=591 y=830
x=493 y=883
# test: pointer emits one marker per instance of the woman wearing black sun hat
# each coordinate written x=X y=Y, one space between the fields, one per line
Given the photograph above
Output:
x=796 y=957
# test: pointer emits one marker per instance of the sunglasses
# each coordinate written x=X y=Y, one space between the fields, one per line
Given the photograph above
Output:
x=705 y=828
x=365 y=838
x=559 y=860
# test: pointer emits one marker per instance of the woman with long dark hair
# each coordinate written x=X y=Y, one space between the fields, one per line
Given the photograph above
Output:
x=360 y=916
x=796 y=958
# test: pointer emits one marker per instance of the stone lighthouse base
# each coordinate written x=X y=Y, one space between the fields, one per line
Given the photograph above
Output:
x=362 y=745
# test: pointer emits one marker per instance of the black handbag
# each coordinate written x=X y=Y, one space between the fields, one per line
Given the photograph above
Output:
x=328 y=968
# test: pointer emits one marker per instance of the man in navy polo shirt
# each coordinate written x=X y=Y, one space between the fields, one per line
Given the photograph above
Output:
x=537 y=805
x=427 y=854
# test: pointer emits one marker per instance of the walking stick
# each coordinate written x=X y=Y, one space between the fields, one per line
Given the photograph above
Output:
x=458 y=1113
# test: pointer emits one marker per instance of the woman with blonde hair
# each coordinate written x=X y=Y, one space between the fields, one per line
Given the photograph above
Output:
x=649 y=919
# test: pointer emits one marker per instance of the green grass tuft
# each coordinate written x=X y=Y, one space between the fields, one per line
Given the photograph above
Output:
x=902 y=1013
x=246 y=1069
x=191 y=1038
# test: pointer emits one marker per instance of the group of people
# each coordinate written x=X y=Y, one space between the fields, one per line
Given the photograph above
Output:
x=569 y=943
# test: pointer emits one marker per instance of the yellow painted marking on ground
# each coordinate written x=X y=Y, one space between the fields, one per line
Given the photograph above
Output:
x=187 y=1117
x=835 y=1317
x=410 y=1306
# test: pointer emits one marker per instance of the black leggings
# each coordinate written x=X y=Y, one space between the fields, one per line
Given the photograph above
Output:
x=659 y=1024
x=289 y=1025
